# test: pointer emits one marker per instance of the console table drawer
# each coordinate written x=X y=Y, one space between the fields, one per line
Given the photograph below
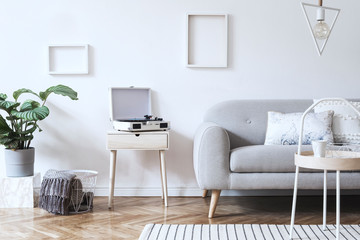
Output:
x=137 y=141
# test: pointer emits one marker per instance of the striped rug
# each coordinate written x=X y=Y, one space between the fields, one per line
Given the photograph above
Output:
x=245 y=232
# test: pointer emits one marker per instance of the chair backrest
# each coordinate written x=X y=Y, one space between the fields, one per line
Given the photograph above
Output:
x=246 y=120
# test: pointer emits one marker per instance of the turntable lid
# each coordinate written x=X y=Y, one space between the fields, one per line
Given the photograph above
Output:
x=129 y=103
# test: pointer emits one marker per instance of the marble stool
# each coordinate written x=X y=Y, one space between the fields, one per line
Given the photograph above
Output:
x=20 y=192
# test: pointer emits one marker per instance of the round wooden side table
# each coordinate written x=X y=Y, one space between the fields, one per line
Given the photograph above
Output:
x=334 y=160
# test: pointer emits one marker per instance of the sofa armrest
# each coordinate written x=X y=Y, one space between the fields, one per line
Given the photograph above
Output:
x=212 y=157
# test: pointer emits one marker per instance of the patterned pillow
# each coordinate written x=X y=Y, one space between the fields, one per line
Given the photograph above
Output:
x=284 y=128
x=346 y=123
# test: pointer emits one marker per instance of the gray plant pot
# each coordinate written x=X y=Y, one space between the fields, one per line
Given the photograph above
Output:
x=19 y=163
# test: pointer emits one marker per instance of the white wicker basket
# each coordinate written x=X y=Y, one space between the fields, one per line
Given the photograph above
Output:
x=83 y=190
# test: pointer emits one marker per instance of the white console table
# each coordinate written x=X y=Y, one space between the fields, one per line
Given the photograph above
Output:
x=151 y=140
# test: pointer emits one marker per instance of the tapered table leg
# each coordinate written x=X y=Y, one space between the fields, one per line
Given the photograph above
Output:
x=294 y=202
x=325 y=200
x=337 y=205
x=163 y=176
x=112 y=177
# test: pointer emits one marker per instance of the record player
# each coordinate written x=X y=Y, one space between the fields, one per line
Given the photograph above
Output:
x=130 y=110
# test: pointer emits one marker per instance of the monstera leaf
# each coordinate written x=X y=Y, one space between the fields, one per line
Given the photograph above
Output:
x=60 y=90
x=36 y=114
x=17 y=93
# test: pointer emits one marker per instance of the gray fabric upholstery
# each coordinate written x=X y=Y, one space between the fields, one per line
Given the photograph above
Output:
x=311 y=181
x=265 y=158
x=246 y=120
x=211 y=157
x=228 y=155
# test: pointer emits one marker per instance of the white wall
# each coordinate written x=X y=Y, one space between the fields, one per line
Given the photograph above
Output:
x=142 y=43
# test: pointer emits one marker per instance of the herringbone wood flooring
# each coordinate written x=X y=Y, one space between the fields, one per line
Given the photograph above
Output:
x=130 y=214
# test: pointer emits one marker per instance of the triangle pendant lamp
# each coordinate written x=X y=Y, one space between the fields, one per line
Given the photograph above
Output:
x=318 y=24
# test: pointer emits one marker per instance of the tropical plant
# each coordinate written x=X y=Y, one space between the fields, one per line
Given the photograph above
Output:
x=17 y=128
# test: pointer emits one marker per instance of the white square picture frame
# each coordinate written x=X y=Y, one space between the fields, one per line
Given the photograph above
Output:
x=68 y=59
x=207 y=40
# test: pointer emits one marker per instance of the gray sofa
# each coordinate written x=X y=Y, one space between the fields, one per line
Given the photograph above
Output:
x=229 y=151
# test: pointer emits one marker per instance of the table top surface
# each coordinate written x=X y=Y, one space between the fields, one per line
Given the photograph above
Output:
x=335 y=160
x=114 y=132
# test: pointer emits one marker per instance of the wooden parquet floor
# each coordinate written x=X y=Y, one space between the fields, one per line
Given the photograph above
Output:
x=130 y=214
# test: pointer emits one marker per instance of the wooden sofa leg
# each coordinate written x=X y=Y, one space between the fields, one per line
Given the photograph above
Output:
x=205 y=192
x=215 y=194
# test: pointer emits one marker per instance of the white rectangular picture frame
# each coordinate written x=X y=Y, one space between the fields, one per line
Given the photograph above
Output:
x=68 y=59
x=206 y=40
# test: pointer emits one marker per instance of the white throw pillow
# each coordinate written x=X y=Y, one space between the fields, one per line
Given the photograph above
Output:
x=346 y=123
x=284 y=128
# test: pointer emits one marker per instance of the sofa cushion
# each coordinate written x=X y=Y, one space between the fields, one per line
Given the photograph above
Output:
x=284 y=128
x=265 y=158
x=346 y=123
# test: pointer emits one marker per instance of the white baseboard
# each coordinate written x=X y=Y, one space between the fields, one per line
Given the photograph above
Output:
x=196 y=192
